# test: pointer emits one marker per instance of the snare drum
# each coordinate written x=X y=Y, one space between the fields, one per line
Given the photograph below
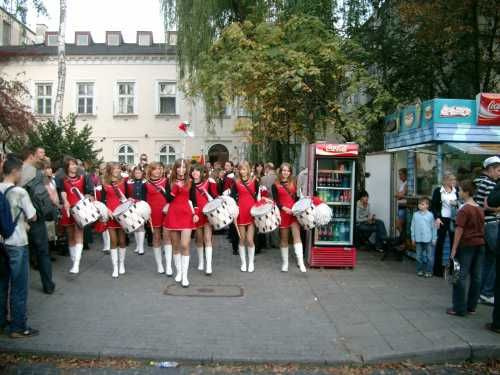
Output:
x=84 y=212
x=103 y=211
x=218 y=213
x=322 y=214
x=128 y=217
x=266 y=217
x=304 y=211
x=143 y=209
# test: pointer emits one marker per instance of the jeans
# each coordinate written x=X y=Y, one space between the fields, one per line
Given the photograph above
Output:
x=424 y=257
x=470 y=258
x=488 y=266
x=39 y=245
x=14 y=272
x=377 y=227
x=438 y=254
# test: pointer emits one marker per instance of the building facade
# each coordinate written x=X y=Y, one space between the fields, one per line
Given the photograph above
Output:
x=13 y=32
x=128 y=93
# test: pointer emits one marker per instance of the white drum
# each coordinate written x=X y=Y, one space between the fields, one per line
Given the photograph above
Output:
x=266 y=217
x=218 y=213
x=304 y=211
x=322 y=214
x=128 y=217
x=103 y=211
x=143 y=209
x=84 y=212
x=232 y=206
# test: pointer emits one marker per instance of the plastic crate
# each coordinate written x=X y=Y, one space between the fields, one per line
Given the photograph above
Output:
x=334 y=257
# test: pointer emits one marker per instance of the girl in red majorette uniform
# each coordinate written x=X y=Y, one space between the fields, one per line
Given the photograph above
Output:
x=203 y=186
x=245 y=191
x=155 y=188
x=285 y=195
x=136 y=191
x=113 y=194
x=182 y=217
x=66 y=186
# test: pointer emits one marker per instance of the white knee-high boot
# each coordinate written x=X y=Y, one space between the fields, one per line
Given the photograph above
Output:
x=159 y=263
x=185 y=269
x=178 y=267
x=114 y=261
x=251 y=256
x=208 y=255
x=243 y=257
x=299 y=252
x=78 y=256
x=284 y=258
x=123 y=252
x=200 y=258
x=167 y=249
x=139 y=238
x=72 y=253
x=106 y=241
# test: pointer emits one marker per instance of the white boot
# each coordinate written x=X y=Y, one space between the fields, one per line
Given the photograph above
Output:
x=167 y=249
x=185 y=268
x=122 y=261
x=114 y=261
x=136 y=250
x=139 y=239
x=200 y=258
x=106 y=241
x=251 y=256
x=284 y=258
x=178 y=265
x=159 y=264
x=72 y=253
x=299 y=252
x=243 y=257
x=78 y=256
x=208 y=255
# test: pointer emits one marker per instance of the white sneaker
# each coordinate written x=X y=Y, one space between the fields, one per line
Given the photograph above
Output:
x=487 y=300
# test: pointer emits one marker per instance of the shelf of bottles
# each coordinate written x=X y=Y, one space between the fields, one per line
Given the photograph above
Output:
x=334 y=185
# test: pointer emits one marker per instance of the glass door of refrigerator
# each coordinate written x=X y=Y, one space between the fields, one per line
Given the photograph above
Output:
x=335 y=186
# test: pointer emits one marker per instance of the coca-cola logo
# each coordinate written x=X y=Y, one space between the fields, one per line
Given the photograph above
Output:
x=494 y=106
x=336 y=148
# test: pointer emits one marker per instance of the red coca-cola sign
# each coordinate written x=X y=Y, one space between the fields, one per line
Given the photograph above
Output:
x=488 y=109
x=339 y=150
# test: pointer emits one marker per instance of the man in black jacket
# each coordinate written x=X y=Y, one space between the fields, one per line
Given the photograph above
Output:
x=494 y=201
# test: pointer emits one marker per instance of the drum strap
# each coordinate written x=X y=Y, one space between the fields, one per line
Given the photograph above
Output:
x=294 y=198
x=158 y=189
x=117 y=193
x=250 y=191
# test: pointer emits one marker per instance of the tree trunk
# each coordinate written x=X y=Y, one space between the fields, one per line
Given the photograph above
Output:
x=61 y=62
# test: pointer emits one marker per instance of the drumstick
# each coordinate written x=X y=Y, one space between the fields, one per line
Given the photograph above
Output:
x=192 y=208
x=237 y=229
x=208 y=195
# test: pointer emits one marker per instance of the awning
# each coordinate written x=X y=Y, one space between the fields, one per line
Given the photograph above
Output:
x=476 y=148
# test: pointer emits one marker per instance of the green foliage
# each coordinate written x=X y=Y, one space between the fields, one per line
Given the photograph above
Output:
x=60 y=139
x=19 y=8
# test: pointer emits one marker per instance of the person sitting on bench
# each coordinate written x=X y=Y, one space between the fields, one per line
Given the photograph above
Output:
x=367 y=224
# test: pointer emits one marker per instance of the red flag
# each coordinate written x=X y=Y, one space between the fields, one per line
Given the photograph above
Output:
x=184 y=126
x=202 y=160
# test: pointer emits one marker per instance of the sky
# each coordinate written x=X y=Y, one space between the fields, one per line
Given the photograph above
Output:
x=97 y=16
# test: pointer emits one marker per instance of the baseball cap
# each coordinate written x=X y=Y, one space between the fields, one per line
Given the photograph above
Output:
x=490 y=161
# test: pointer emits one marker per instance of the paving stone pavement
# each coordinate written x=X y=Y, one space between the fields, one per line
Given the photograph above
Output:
x=380 y=311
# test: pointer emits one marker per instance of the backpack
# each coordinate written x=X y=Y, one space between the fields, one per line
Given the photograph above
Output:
x=7 y=225
x=40 y=198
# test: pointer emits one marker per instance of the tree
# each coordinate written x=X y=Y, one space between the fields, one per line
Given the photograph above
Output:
x=61 y=61
x=60 y=139
x=19 y=8
x=16 y=118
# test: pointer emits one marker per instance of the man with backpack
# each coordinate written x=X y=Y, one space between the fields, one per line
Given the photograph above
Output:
x=15 y=209
x=33 y=181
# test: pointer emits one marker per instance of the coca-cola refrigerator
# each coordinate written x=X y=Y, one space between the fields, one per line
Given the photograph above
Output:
x=332 y=178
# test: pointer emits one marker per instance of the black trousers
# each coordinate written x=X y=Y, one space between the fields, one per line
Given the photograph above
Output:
x=496 y=309
x=441 y=237
x=39 y=247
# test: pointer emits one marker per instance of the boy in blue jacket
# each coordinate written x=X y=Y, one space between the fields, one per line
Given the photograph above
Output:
x=423 y=236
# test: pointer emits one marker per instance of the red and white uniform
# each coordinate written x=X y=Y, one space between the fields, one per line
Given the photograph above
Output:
x=209 y=186
x=285 y=195
x=67 y=184
x=245 y=194
x=113 y=199
x=155 y=196
x=180 y=213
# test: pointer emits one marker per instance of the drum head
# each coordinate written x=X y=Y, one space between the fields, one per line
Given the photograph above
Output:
x=212 y=205
x=261 y=210
x=122 y=208
x=301 y=205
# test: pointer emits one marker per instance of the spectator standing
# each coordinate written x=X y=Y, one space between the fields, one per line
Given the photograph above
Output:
x=444 y=207
x=50 y=185
x=367 y=224
x=485 y=183
x=468 y=249
x=400 y=196
x=14 y=276
x=268 y=180
x=32 y=180
x=494 y=201
x=423 y=236
x=302 y=182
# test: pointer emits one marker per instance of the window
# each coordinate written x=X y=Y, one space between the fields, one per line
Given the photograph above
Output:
x=126 y=98
x=167 y=154
x=144 y=39
x=82 y=40
x=85 y=98
x=113 y=39
x=242 y=112
x=6 y=33
x=172 y=38
x=43 y=104
x=126 y=154
x=52 y=39
x=167 y=98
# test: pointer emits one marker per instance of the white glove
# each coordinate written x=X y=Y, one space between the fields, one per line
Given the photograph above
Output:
x=165 y=208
